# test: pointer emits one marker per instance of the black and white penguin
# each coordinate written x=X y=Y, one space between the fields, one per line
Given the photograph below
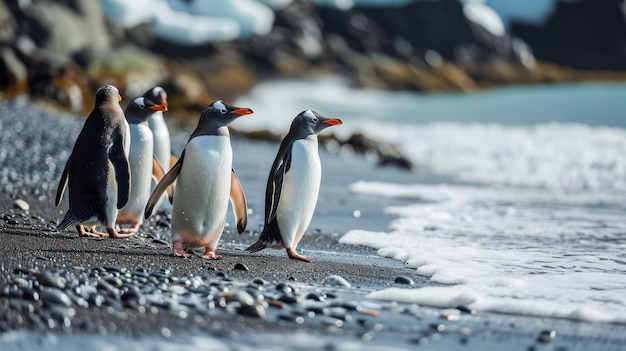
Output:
x=161 y=135
x=293 y=185
x=143 y=164
x=204 y=182
x=97 y=172
x=161 y=138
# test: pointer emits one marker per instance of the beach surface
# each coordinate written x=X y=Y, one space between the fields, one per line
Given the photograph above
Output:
x=60 y=291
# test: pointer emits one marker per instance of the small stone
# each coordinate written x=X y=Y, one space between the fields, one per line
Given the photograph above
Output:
x=546 y=336
x=257 y=311
x=240 y=296
x=50 y=279
x=465 y=309
x=451 y=314
x=259 y=281
x=241 y=267
x=402 y=279
x=21 y=204
x=315 y=297
x=335 y=280
x=52 y=297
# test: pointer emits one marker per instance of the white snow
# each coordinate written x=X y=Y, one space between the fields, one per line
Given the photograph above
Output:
x=193 y=23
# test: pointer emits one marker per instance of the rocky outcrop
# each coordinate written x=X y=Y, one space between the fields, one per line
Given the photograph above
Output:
x=586 y=34
x=63 y=50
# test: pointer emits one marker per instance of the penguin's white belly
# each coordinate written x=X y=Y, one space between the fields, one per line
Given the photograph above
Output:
x=140 y=159
x=111 y=200
x=162 y=148
x=202 y=191
x=299 y=193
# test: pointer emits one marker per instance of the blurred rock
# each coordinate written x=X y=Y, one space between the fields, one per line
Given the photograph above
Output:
x=586 y=34
x=64 y=50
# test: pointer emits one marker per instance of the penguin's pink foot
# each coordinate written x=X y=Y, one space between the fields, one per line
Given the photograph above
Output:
x=134 y=227
x=296 y=256
x=209 y=254
x=115 y=235
x=93 y=233
x=177 y=248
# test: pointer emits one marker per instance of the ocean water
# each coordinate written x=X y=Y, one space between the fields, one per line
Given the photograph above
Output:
x=531 y=217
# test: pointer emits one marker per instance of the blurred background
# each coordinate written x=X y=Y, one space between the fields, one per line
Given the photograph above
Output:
x=200 y=50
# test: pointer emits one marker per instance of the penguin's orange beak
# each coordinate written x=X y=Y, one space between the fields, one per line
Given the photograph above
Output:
x=119 y=98
x=158 y=107
x=332 y=121
x=242 y=111
x=163 y=102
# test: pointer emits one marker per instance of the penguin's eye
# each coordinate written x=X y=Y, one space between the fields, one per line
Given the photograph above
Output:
x=314 y=120
x=141 y=106
x=223 y=111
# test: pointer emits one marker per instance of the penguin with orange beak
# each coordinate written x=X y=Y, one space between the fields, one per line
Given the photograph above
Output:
x=293 y=185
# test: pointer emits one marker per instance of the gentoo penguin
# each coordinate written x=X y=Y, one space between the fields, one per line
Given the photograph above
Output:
x=293 y=185
x=143 y=164
x=161 y=137
x=205 y=181
x=97 y=171
x=162 y=147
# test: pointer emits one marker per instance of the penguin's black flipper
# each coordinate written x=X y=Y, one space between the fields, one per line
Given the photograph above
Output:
x=117 y=156
x=165 y=182
x=63 y=182
x=282 y=163
x=258 y=246
x=238 y=200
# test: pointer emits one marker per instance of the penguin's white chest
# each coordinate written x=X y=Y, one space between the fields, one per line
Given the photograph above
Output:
x=140 y=160
x=298 y=198
x=202 y=191
x=161 y=139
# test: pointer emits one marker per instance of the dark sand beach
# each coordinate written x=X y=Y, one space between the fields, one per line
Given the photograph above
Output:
x=60 y=291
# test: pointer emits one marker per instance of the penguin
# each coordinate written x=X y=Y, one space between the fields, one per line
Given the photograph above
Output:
x=143 y=164
x=293 y=185
x=205 y=180
x=161 y=137
x=97 y=172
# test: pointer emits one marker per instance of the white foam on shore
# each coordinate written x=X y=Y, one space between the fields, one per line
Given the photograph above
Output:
x=520 y=251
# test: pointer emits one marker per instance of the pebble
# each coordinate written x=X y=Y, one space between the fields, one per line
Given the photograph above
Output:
x=451 y=314
x=21 y=204
x=48 y=278
x=546 y=336
x=51 y=297
x=241 y=267
x=402 y=279
x=465 y=309
x=335 y=280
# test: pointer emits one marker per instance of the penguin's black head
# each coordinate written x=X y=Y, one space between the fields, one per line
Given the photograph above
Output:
x=158 y=95
x=140 y=109
x=310 y=122
x=107 y=93
x=222 y=113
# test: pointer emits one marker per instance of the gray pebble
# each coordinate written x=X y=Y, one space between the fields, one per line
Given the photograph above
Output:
x=52 y=297
x=335 y=280
x=241 y=267
x=546 y=336
x=48 y=278
x=402 y=279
